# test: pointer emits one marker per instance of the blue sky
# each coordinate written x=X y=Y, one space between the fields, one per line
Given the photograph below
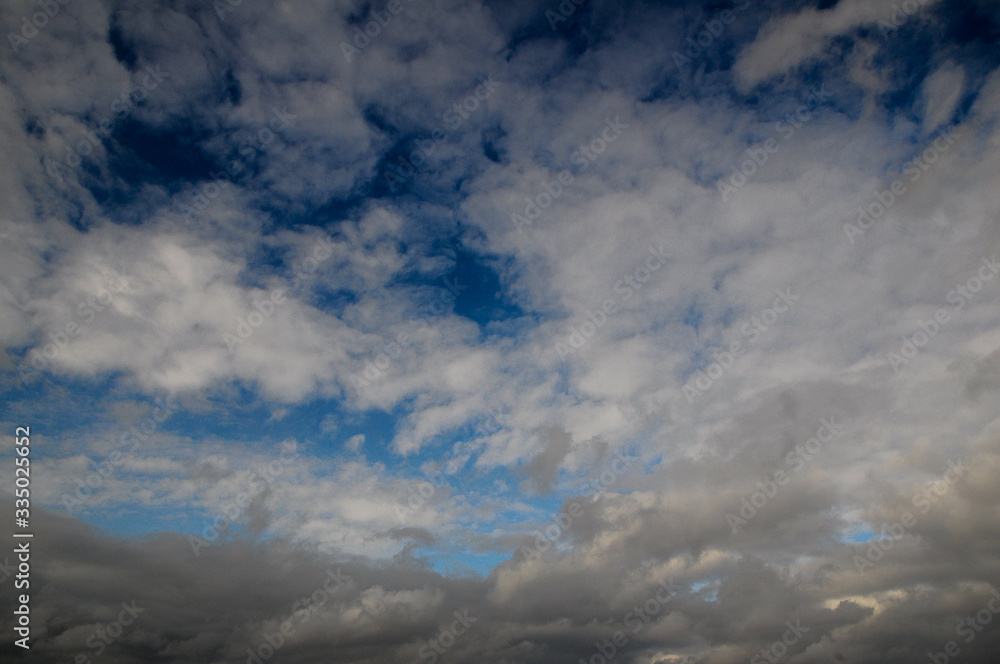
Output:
x=515 y=307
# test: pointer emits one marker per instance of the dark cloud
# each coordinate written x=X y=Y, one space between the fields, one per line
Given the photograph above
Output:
x=542 y=469
x=233 y=596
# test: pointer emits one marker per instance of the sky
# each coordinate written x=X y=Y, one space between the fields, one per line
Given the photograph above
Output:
x=501 y=332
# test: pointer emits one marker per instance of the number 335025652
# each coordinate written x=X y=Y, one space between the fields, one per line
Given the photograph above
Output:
x=22 y=444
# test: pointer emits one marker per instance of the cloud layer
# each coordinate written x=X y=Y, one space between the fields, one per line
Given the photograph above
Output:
x=504 y=332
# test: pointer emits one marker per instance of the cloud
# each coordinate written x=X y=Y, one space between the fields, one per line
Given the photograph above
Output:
x=542 y=468
x=942 y=91
x=789 y=40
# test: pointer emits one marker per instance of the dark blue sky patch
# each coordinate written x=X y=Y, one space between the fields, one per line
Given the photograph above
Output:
x=232 y=90
x=120 y=201
x=666 y=88
x=527 y=33
x=122 y=48
x=483 y=299
x=905 y=72
x=397 y=169
x=265 y=262
x=964 y=106
x=412 y=51
x=581 y=33
x=109 y=194
x=331 y=301
x=327 y=215
x=491 y=141
x=374 y=116
x=76 y=215
x=34 y=128
x=364 y=14
x=969 y=23
x=141 y=154
x=578 y=29
x=336 y=209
